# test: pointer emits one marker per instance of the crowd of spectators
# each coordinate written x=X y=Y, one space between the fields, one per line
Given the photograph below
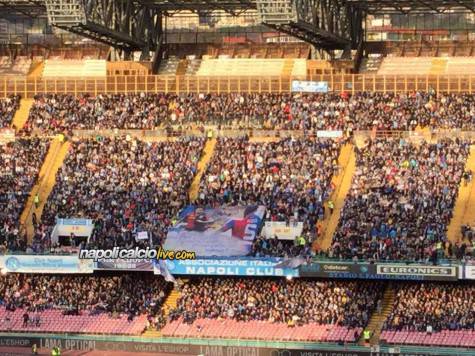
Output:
x=125 y=185
x=281 y=301
x=401 y=200
x=291 y=177
x=126 y=294
x=20 y=163
x=8 y=107
x=342 y=111
x=432 y=307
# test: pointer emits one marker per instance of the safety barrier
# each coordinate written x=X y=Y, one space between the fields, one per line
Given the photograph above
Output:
x=28 y=87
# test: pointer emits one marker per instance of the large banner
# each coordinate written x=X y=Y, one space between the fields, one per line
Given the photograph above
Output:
x=309 y=87
x=45 y=264
x=137 y=264
x=282 y=230
x=225 y=231
x=229 y=267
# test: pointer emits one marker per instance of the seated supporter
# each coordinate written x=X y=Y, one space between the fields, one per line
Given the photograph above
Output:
x=127 y=294
x=330 y=111
x=8 y=107
x=125 y=185
x=401 y=200
x=245 y=299
x=21 y=161
x=442 y=306
x=291 y=177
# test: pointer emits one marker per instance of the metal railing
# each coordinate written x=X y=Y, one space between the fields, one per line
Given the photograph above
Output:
x=28 y=87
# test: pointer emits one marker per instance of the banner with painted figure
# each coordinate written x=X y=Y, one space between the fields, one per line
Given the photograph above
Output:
x=224 y=231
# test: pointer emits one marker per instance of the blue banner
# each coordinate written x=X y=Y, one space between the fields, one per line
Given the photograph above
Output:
x=45 y=264
x=74 y=222
x=309 y=87
x=229 y=267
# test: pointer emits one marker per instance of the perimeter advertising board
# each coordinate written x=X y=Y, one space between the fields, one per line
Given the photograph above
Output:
x=84 y=344
x=379 y=271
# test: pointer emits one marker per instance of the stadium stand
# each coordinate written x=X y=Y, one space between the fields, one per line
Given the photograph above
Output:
x=254 y=67
x=291 y=177
x=432 y=314
x=361 y=111
x=20 y=161
x=401 y=200
x=123 y=304
x=8 y=108
x=61 y=68
x=273 y=309
x=14 y=67
x=126 y=185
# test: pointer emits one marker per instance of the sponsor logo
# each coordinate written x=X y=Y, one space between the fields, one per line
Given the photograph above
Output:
x=337 y=268
x=12 y=264
x=136 y=254
x=417 y=270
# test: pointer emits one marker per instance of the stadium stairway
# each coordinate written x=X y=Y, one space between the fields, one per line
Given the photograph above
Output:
x=342 y=183
x=170 y=304
x=288 y=67
x=438 y=66
x=464 y=209
x=46 y=180
x=36 y=70
x=182 y=66
x=377 y=320
x=21 y=115
x=205 y=158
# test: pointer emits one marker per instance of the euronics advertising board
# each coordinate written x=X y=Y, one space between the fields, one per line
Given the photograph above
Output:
x=45 y=264
x=230 y=267
x=225 y=231
x=364 y=270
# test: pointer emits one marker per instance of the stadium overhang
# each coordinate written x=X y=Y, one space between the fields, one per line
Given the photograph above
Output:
x=382 y=7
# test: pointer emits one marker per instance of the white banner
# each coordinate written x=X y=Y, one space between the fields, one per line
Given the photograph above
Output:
x=142 y=235
x=282 y=230
x=469 y=272
x=78 y=227
x=7 y=135
x=330 y=134
x=309 y=87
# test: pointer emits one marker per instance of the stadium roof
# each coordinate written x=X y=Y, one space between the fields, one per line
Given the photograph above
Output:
x=414 y=6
